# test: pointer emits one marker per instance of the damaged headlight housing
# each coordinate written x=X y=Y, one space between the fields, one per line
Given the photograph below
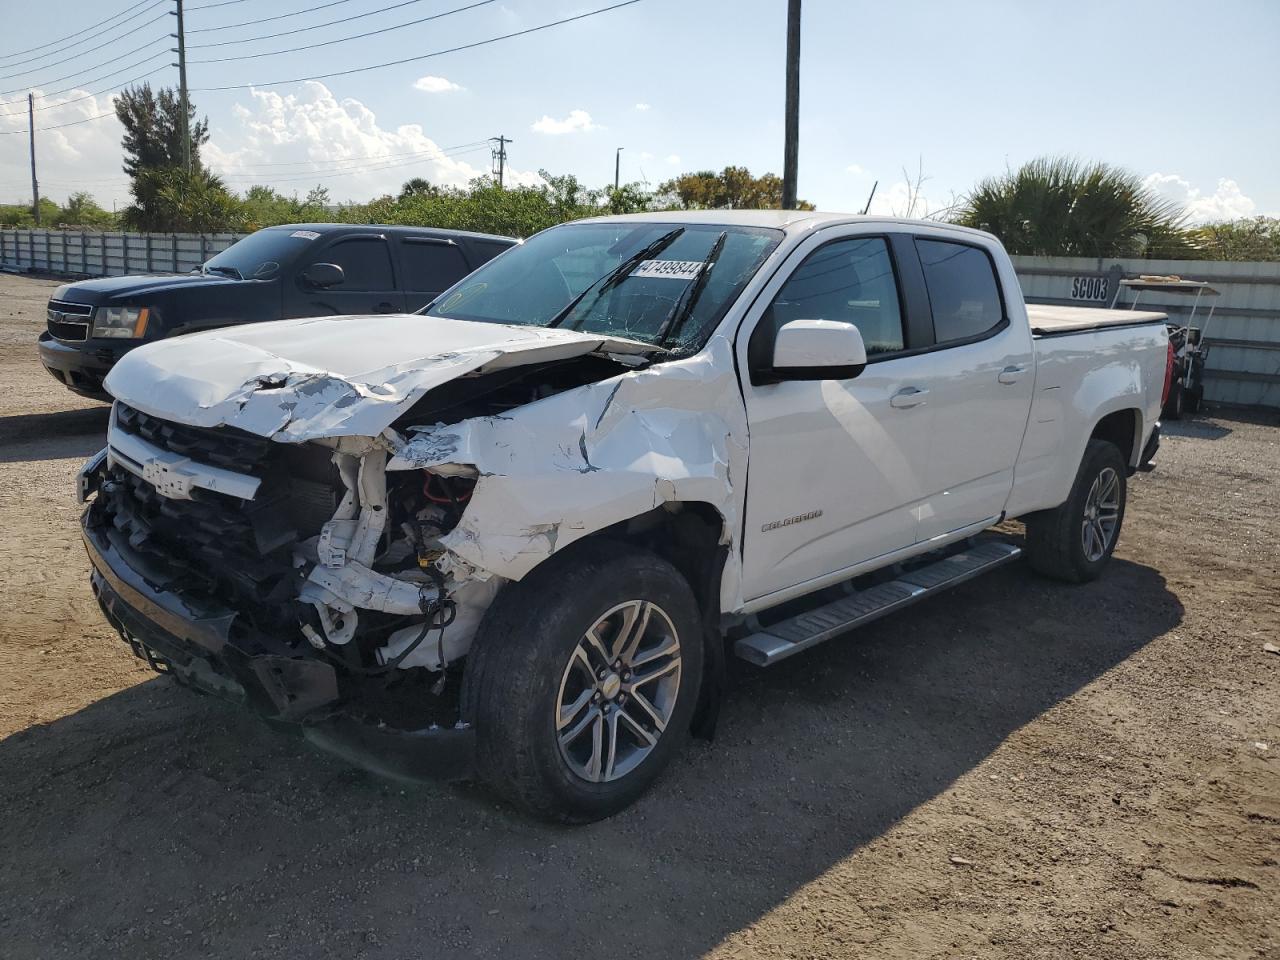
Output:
x=120 y=322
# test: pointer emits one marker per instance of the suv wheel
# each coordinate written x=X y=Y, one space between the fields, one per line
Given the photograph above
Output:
x=582 y=681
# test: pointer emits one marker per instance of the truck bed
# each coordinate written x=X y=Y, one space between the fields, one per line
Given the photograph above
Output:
x=1049 y=321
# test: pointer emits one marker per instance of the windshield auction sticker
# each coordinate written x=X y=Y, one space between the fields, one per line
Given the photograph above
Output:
x=668 y=269
x=305 y=234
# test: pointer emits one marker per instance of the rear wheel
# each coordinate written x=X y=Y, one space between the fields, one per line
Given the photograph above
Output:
x=1175 y=406
x=582 y=681
x=1075 y=541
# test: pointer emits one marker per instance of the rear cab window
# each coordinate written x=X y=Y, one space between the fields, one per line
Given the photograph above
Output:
x=431 y=265
x=964 y=293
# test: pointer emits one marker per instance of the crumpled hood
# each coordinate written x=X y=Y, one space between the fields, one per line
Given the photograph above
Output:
x=296 y=380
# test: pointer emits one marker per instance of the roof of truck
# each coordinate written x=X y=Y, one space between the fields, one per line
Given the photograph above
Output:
x=778 y=219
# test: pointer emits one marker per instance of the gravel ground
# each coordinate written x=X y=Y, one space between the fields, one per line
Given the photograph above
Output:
x=1016 y=769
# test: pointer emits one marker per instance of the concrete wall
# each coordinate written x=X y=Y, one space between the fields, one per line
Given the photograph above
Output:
x=1244 y=334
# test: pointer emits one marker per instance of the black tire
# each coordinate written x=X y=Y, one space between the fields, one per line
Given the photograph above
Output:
x=525 y=648
x=1175 y=406
x=1056 y=538
x=1194 y=396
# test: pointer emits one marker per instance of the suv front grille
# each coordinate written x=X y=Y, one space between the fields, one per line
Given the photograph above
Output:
x=224 y=447
x=69 y=321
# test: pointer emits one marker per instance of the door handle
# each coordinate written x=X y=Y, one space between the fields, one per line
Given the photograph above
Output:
x=385 y=307
x=1012 y=373
x=908 y=397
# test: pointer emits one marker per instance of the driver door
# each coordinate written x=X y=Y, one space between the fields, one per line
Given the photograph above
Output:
x=837 y=467
x=368 y=283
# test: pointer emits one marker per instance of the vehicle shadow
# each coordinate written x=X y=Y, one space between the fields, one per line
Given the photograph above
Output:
x=154 y=820
x=1197 y=429
x=53 y=436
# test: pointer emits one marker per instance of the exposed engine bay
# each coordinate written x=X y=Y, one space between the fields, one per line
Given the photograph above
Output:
x=331 y=550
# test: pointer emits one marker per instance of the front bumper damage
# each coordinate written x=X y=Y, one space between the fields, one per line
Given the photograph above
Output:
x=200 y=644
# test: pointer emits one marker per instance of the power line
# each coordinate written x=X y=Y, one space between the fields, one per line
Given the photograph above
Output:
x=251 y=179
x=56 y=126
x=425 y=56
x=89 y=96
x=362 y=158
x=88 y=29
x=262 y=20
x=80 y=86
x=105 y=43
x=286 y=33
x=210 y=6
x=115 y=59
x=357 y=36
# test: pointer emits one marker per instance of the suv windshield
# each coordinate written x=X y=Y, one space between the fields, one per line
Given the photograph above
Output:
x=656 y=300
x=260 y=255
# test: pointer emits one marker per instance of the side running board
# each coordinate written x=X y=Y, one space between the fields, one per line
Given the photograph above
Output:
x=806 y=630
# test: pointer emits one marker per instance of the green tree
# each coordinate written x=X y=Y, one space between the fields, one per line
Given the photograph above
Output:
x=170 y=200
x=152 y=123
x=81 y=210
x=418 y=187
x=733 y=188
x=1059 y=206
x=1253 y=238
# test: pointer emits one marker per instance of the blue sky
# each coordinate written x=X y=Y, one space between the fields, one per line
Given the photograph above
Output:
x=1181 y=92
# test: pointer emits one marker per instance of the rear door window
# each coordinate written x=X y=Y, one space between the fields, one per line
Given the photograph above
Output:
x=431 y=266
x=365 y=263
x=963 y=291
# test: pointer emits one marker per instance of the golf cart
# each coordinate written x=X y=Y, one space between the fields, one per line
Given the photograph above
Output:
x=1190 y=349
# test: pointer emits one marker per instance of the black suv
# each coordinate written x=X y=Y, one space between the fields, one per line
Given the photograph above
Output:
x=298 y=270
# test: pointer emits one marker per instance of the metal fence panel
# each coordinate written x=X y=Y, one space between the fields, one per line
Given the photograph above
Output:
x=96 y=254
x=1244 y=335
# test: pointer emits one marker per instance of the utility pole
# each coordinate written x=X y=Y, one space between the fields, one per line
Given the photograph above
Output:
x=181 y=51
x=31 y=127
x=500 y=155
x=791 y=148
x=617 y=169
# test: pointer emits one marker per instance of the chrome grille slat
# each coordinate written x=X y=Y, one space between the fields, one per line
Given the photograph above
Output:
x=69 y=321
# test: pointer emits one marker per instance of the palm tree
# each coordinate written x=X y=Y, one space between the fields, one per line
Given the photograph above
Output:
x=1059 y=206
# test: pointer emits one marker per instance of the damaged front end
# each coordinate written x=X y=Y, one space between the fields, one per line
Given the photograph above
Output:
x=320 y=538
x=300 y=580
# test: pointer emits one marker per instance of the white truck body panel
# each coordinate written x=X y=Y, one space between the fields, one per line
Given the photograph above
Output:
x=815 y=480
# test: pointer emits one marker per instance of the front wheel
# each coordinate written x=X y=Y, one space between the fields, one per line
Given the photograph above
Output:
x=582 y=681
x=1075 y=541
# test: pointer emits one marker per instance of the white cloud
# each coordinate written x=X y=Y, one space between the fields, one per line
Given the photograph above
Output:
x=1227 y=202
x=83 y=156
x=898 y=200
x=643 y=107
x=435 y=85
x=294 y=142
x=578 y=121
x=645 y=155
x=856 y=169
x=673 y=159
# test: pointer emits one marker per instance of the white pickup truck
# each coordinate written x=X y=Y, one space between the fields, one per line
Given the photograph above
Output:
x=519 y=532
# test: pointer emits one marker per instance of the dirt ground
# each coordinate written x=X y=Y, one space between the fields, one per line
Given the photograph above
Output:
x=1016 y=769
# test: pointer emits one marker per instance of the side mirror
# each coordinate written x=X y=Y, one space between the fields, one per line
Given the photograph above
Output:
x=817 y=350
x=323 y=275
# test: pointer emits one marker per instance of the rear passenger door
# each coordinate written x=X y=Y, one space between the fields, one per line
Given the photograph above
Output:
x=983 y=378
x=429 y=266
x=368 y=279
